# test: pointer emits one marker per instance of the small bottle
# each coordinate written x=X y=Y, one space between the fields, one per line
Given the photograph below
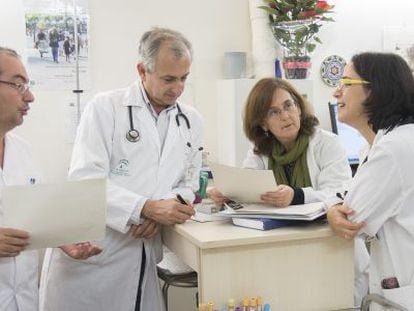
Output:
x=210 y=306
x=259 y=303
x=201 y=307
x=266 y=307
x=278 y=70
x=245 y=304
x=253 y=304
x=231 y=304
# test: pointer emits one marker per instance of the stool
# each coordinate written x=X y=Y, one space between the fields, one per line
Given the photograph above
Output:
x=175 y=273
x=381 y=301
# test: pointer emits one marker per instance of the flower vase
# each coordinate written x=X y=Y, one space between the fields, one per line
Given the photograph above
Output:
x=296 y=66
x=294 y=37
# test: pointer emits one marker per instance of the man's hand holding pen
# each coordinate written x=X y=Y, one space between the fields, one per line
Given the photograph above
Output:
x=168 y=212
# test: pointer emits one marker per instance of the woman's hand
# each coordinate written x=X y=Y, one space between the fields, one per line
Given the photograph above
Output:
x=281 y=197
x=338 y=221
x=216 y=196
x=81 y=250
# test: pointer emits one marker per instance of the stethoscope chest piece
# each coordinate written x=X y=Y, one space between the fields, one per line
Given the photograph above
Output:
x=132 y=135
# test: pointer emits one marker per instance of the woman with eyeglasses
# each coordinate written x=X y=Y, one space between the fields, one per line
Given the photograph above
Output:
x=309 y=164
x=377 y=98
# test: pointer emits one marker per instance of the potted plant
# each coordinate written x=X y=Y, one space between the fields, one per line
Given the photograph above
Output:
x=295 y=24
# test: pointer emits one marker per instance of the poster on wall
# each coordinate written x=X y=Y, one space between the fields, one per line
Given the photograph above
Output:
x=57 y=43
x=400 y=40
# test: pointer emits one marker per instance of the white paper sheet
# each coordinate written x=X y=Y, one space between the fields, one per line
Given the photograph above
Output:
x=57 y=214
x=243 y=185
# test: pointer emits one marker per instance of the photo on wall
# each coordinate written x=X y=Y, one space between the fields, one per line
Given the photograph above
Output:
x=57 y=43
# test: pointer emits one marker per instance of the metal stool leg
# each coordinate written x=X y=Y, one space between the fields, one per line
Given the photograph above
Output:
x=165 y=294
x=381 y=301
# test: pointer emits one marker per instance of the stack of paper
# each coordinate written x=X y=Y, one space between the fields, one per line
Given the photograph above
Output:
x=247 y=186
x=308 y=211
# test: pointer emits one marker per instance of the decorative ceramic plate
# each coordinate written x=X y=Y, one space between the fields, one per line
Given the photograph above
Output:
x=332 y=69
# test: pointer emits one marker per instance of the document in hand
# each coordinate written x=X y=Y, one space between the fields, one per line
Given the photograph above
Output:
x=241 y=184
x=308 y=211
x=57 y=214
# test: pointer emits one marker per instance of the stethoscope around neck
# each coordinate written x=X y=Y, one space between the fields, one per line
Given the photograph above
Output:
x=133 y=135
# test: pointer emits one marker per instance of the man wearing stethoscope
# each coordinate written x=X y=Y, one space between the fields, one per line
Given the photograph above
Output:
x=149 y=147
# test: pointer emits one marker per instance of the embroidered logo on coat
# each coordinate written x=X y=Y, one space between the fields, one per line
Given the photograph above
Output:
x=122 y=168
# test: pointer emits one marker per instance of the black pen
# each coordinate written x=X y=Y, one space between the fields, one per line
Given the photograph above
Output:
x=180 y=198
x=341 y=196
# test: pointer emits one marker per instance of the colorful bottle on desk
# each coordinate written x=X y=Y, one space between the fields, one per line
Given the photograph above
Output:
x=231 y=304
x=253 y=304
x=245 y=304
x=259 y=303
x=201 y=307
x=210 y=306
x=266 y=307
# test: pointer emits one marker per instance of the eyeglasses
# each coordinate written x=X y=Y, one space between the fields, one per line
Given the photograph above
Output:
x=349 y=82
x=289 y=106
x=20 y=87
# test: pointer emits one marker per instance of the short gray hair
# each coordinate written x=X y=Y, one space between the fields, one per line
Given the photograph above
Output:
x=152 y=40
x=7 y=51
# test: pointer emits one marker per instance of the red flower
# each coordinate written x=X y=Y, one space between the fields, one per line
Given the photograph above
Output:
x=310 y=13
x=323 y=5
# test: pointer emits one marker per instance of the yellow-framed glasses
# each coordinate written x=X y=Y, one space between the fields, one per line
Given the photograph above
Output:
x=349 y=82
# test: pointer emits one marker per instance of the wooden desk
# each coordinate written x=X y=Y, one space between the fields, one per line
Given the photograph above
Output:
x=293 y=268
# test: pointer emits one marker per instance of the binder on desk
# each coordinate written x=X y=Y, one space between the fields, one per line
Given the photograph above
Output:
x=265 y=223
x=309 y=211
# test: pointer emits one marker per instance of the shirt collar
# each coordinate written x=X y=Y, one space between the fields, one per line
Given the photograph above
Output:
x=147 y=101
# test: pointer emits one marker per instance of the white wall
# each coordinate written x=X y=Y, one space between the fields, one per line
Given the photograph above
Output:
x=358 y=28
x=212 y=26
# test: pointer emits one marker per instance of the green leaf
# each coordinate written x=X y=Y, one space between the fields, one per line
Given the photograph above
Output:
x=317 y=39
x=310 y=47
x=327 y=19
x=268 y=10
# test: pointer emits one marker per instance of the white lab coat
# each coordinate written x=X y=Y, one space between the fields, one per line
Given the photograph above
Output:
x=329 y=173
x=327 y=163
x=382 y=195
x=135 y=171
x=18 y=275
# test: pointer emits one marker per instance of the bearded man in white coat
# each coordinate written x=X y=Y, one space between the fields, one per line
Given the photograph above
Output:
x=19 y=268
x=149 y=147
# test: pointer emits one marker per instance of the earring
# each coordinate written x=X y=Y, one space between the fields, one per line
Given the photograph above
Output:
x=266 y=132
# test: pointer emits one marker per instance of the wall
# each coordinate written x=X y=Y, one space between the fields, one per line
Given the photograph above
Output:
x=358 y=28
x=113 y=55
x=214 y=27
